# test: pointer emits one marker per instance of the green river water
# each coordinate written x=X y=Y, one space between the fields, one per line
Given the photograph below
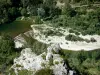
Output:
x=15 y=28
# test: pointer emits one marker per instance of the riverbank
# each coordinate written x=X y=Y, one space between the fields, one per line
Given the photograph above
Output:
x=40 y=33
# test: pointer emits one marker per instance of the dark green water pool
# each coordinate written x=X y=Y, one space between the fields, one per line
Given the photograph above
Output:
x=15 y=28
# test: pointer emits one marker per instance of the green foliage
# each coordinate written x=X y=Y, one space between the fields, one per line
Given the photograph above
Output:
x=69 y=11
x=9 y=10
x=86 y=21
x=13 y=12
x=44 y=56
x=92 y=40
x=25 y=3
x=84 y=62
x=51 y=61
x=6 y=48
x=25 y=72
x=37 y=47
x=44 y=71
x=38 y=20
x=41 y=12
x=56 y=62
x=43 y=64
x=73 y=31
x=49 y=3
x=7 y=52
x=73 y=38
x=52 y=33
x=17 y=65
x=12 y=72
x=24 y=12
x=55 y=12
x=20 y=72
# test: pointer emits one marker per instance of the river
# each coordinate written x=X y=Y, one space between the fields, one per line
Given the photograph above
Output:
x=16 y=27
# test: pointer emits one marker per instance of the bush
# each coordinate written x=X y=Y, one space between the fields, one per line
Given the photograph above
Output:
x=84 y=62
x=71 y=31
x=51 y=61
x=24 y=12
x=6 y=48
x=37 y=47
x=38 y=20
x=69 y=11
x=44 y=56
x=73 y=38
x=43 y=64
x=12 y=72
x=41 y=12
x=77 y=33
x=17 y=65
x=92 y=40
x=52 y=33
x=56 y=62
x=25 y=72
x=44 y=71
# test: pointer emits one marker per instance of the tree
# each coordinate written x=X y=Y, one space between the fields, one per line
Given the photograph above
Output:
x=69 y=11
x=49 y=3
x=23 y=12
x=26 y=3
x=41 y=12
x=82 y=56
x=6 y=48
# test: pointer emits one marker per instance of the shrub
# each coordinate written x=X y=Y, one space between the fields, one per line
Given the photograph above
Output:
x=12 y=72
x=6 y=48
x=17 y=65
x=49 y=32
x=71 y=31
x=44 y=56
x=43 y=64
x=51 y=61
x=38 y=20
x=25 y=72
x=41 y=12
x=24 y=12
x=69 y=11
x=77 y=33
x=52 y=33
x=56 y=62
x=44 y=71
x=36 y=46
x=73 y=38
x=84 y=62
x=92 y=40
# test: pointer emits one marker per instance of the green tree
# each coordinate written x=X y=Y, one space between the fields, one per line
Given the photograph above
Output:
x=68 y=10
x=24 y=12
x=6 y=48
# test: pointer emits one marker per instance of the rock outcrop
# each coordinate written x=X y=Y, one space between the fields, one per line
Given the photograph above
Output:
x=30 y=61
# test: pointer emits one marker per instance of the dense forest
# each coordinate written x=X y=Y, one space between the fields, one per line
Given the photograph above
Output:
x=11 y=9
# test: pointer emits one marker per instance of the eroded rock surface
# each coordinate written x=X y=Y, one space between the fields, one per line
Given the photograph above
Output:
x=30 y=61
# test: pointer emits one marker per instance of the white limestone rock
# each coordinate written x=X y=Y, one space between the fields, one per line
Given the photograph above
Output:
x=59 y=70
x=49 y=56
x=32 y=62
x=54 y=48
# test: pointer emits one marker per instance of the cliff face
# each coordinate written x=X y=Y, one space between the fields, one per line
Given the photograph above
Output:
x=50 y=59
